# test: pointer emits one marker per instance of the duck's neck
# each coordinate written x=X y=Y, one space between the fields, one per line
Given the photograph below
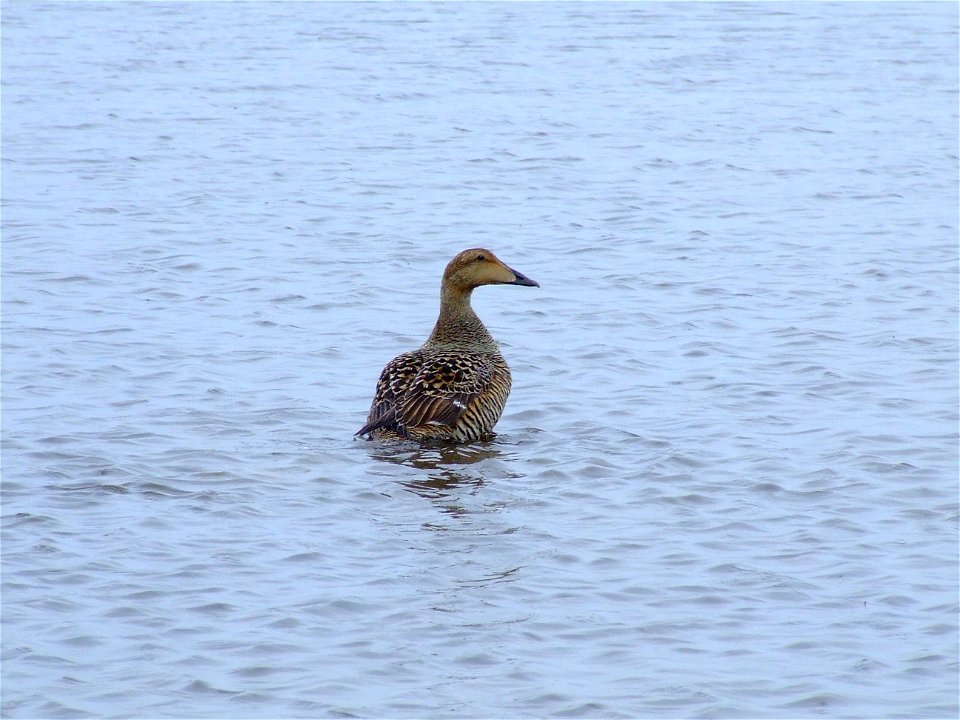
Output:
x=458 y=324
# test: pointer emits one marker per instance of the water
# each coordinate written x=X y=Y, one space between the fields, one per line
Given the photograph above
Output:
x=725 y=483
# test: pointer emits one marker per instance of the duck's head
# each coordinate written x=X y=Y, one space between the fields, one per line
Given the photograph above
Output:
x=477 y=266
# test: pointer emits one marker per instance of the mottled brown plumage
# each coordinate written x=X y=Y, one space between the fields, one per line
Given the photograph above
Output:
x=454 y=386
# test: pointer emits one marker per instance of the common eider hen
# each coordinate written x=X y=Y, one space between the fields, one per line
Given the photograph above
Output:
x=454 y=386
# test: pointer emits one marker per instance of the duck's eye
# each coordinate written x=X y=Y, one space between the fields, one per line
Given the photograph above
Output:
x=481 y=257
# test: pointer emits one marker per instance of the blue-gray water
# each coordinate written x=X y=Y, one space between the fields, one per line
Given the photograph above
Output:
x=726 y=480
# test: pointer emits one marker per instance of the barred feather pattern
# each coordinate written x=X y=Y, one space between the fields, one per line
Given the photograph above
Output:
x=450 y=394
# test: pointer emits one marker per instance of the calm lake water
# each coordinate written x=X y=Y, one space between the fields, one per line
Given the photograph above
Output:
x=726 y=482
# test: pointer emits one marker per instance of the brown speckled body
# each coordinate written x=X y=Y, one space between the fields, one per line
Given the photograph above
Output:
x=454 y=387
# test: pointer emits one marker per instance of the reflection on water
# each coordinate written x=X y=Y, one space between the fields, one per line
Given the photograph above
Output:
x=445 y=485
x=436 y=457
x=447 y=472
x=491 y=578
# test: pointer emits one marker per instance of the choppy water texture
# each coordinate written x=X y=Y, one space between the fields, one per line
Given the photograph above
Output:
x=725 y=483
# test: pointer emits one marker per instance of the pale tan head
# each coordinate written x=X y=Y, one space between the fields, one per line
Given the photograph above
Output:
x=478 y=266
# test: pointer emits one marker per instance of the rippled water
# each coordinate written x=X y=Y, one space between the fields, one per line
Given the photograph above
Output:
x=725 y=483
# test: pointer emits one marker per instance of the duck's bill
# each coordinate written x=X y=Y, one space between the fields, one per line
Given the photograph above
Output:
x=523 y=280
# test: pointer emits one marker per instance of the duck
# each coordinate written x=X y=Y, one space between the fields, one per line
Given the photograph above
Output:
x=453 y=388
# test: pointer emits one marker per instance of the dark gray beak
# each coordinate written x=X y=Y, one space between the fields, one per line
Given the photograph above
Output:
x=523 y=280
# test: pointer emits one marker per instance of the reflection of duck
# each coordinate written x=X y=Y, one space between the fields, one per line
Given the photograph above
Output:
x=445 y=486
x=453 y=387
x=445 y=466
x=437 y=457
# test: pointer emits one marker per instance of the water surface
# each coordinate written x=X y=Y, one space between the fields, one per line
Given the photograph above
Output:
x=725 y=484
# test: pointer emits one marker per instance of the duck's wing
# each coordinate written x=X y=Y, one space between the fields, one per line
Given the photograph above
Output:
x=444 y=387
x=392 y=386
